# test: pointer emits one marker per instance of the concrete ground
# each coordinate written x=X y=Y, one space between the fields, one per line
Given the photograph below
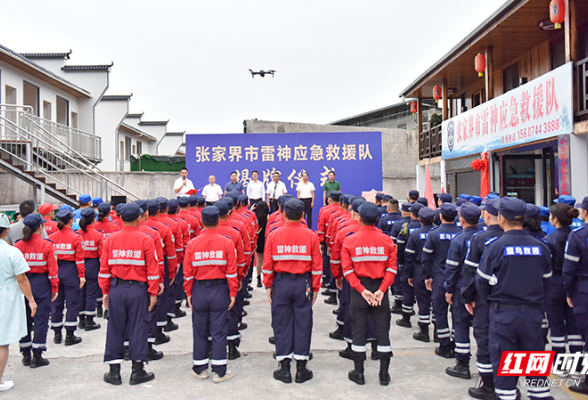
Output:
x=76 y=372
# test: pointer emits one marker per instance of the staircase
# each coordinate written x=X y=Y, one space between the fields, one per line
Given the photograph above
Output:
x=58 y=159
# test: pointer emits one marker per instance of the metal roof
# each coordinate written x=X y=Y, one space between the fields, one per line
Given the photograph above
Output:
x=405 y=105
x=175 y=133
x=114 y=97
x=46 y=55
x=84 y=68
x=153 y=122
x=135 y=115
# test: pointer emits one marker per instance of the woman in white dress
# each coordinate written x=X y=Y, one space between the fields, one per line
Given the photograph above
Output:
x=13 y=283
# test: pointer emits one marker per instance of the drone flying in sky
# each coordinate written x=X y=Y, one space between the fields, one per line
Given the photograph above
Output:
x=262 y=73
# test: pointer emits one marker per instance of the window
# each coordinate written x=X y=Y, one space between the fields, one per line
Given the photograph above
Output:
x=74 y=120
x=121 y=152
x=511 y=77
x=10 y=99
x=127 y=148
x=558 y=52
x=134 y=149
x=46 y=110
x=62 y=111
x=31 y=97
x=139 y=148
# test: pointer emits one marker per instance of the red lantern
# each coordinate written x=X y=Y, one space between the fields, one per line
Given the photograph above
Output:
x=557 y=12
x=480 y=64
x=413 y=107
x=436 y=93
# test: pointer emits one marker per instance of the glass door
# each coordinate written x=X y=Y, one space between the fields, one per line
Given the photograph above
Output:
x=519 y=176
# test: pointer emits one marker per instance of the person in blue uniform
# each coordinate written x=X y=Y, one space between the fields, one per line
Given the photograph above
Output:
x=407 y=290
x=413 y=196
x=384 y=208
x=532 y=223
x=515 y=310
x=387 y=223
x=433 y=261
x=441 y=198
x=575 y=276
x=396 y=288
x=414 y=272
x=545 y=224
x=570 y=201
x=469 y=214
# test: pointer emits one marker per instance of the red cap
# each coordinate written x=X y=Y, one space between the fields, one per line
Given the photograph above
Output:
x=47 y=208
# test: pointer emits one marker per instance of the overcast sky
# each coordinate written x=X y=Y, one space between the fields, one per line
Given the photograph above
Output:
x=188 y=61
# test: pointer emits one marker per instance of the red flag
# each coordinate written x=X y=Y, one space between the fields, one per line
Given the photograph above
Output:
x=429 y=188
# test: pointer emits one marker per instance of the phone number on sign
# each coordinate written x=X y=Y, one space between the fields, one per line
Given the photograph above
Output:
x=521 y=134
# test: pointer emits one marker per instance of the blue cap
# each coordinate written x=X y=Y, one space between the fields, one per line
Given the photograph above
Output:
x=369 y=212
x=335 y=195
x=584 y=204
x=356 y=203
x=243 y=199
x=413 y=194
x=130 y=212
x=230 y=202
x=406 y=207
x=173 y=206
x=104 y=208
x=464 y=196
x=491 y=206
x=460 y=201
x=532 y=211
x=357 y=197
x=423 y=201
x=33 y=221
x=89 y=213
x=119 y=207
x=233 y=194
x=192 y=200
x=223 y=208
x=416 y=207
x=162 y=203
x=448 y=210
x=512 y=209
x=346 y=199
x=210 y=215
x=379 y=196
x=142 y=204
x=544 y=211
x=85 y=198
x=65 y=216
x=152 y=206
x=282 y=200
x=387 y=197
x=470 y=212
x=566 y=199
x=293 y=208
x=96 y=201
x=66 y=207
x=426 y=214
x=445 y=197
x=477 y=200
x=200 y=200
x=492 y=195
x=184 y=202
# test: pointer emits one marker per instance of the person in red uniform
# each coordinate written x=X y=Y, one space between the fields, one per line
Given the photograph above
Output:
x=292 y=269
x=211 y=283
x=129 y=278
x=93 y=240
x=191 y=220
x=177 y=287
x=368 y=259
x=104 y=224
x=39 y=254
x=116 y=218
x=47 y=210
x=69 y=249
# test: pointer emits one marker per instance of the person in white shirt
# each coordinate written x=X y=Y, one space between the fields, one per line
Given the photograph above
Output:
x=275 y=189
x=305 y=190
x=183 y=185
x=255 y=189
x=212 y=192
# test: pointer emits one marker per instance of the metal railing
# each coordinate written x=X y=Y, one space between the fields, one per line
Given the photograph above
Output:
x=581 y=87
x=29 y=144
x=430 y=143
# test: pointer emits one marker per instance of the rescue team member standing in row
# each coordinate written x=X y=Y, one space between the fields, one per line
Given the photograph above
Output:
x=129 y=278
x=211 y=284
x=368 y=260
x=39 y=255
x=69 y=249
x=292 y=270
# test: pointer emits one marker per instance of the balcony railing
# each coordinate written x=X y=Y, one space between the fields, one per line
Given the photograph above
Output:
x=581 y=87
x=430 y=143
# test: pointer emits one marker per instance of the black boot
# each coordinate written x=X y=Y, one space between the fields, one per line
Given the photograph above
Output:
x=242 y=326
x=161 y=337
x=338 y=334
x=404 y=321
x=460 y=370
x=303 y=374
x=272 y=340
x=139 y=375
x=113 y=376
x=259 y=281
x=249 y=288
x=71 y=339
x=397 y=307
x=384 y=375
x=99 y=310
x=105 y=314
x=171 y=325
x=233 y=352
x=346 y=353
x=356 y=375
x=81 y=321
x=485 y=391
x=375 y=355
x=581 y=388
x=90 y=324
x=179 y=312
x=326 y=292
x=445 y=353
x=435 y=336
x=283 y=373
x=38 y=360
x=26 y=357
x=423 y=334
x=243 y=313
x=248 y=295
x=332 y=299
x=246 y=302
x=153 y=354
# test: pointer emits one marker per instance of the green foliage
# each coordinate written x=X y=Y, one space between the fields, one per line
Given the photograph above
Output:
x=435 y=120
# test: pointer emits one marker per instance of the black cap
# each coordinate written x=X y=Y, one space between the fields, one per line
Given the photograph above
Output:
x=223 y=208
x=243 y=199
x=118 y=208
x=584 y=204
x=130 y=212
x=532 y=211
x=369 y=212
x=282 y=200
x=460 y=201
x=184 y=202
x=89 y=213
x=229 y=201
x=445 y=197
x=416 y=207
x=293 y=208
x=210 y=215
x=512 y=209
x=413 y=194
x=162 y=203
x=142 y=204
x=152 y=206
x=34 y=221
x=172 y=206
x=469 y=211
x=200 y=200
x=335 y=195
x=192 y=200
x=423 y=201
x=448 y=210
x=491 y=206
x=64 y=216
x=346 y=199
x=406 y=207
x=426 y=215
x=356 y=203
x=104 y=208
x=379 y=196
x=387 y=197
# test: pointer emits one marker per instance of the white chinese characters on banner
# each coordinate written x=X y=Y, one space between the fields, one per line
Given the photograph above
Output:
x=537 y=110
